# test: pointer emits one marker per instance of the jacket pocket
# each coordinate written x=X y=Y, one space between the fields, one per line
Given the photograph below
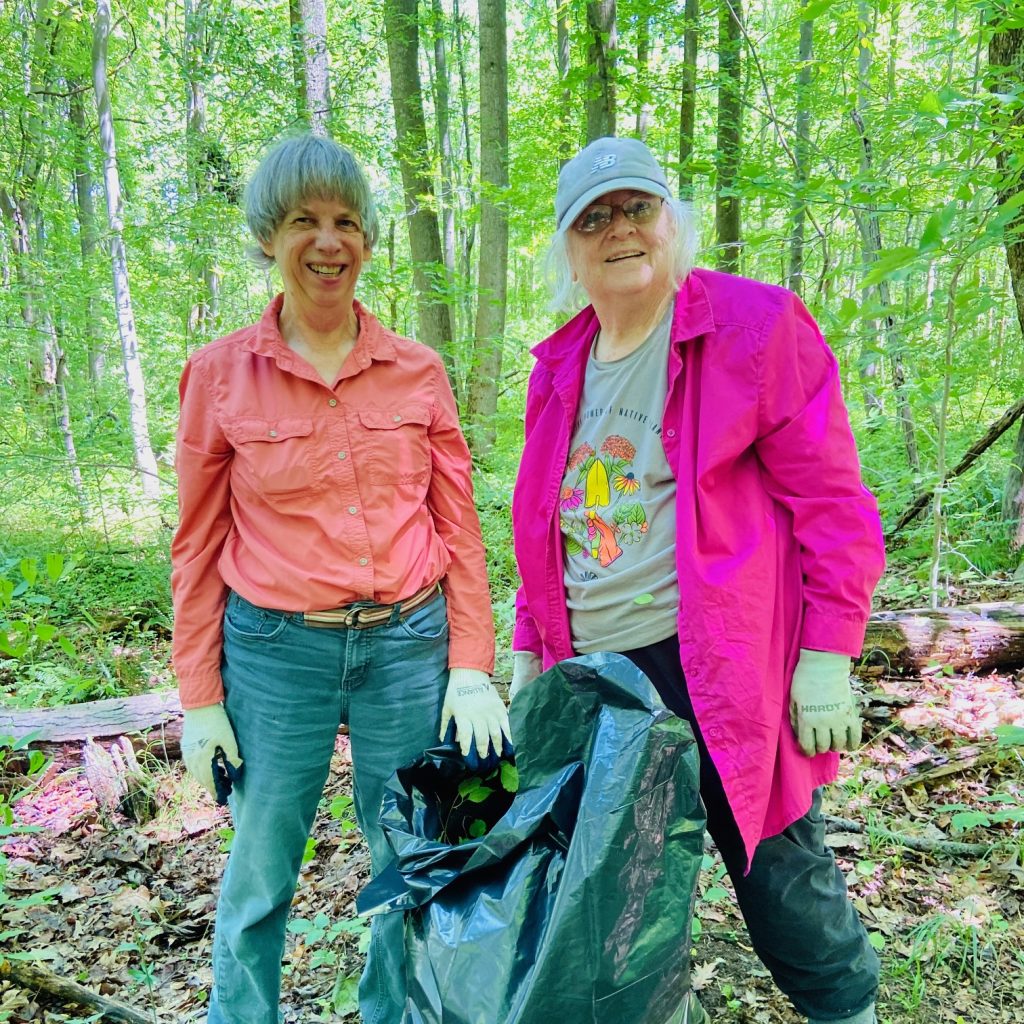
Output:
x=276 y=456
x=397 y=443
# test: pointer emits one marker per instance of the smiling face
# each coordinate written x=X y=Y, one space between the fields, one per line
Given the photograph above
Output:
x=319 y=247
x=625 y=260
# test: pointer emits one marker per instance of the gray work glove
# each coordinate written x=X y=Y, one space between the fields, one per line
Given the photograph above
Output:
x=205 y=730
x=822 y=710
x=478 y=711
x=526 y=666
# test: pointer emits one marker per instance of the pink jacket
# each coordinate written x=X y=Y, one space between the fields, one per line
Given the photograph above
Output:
x=778 y=547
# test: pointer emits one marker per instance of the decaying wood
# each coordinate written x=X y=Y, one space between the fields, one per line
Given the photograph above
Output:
x=977 y=636
x=35 y=978
x=156 y=717
x=919 y=843
x=966 y=758
x=117 y=780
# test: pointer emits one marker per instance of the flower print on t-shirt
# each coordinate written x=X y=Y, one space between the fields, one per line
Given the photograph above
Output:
x=600 y=510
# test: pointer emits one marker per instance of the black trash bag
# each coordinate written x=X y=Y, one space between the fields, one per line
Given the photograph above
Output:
x=576 y=906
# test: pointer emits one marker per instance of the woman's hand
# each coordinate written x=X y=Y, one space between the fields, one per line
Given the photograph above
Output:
x=477 y=709
x=205 y=730
x=821 y=706
x=526 y=666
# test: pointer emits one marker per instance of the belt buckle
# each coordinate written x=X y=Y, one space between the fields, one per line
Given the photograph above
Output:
x=351 y=617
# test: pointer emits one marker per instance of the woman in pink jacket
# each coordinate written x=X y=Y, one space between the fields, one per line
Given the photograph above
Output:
x=689 y=495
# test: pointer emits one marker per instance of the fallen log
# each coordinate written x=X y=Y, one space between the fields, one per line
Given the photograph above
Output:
x=976 y=636
x=35 y=978
x=154 y=717
x=921 y=844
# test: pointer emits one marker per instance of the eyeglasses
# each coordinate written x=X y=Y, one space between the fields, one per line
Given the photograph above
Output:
x=637 y=210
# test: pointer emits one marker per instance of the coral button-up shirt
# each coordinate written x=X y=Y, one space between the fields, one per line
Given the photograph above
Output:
x=301 y=496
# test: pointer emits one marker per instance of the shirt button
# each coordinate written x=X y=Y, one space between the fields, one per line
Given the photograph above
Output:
x=332 y=402
x=670 y=433
x=352 y=510
x=397 y=418
x=363 y=561
x=341 y=455
x=273 y=433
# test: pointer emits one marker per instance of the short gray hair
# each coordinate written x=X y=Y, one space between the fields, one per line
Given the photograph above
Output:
x=568 y=296
x=301 y=167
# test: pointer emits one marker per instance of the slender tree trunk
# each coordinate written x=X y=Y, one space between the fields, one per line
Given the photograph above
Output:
x=1006 y=65
x=565 y=147
x=601 y=60
x=730 y=134
x=205 y=277
x=643 y=57
x=493 y=271
x=145 y=461
x=88 y=234
x=688 y=97
x=801 y=150
x=446 y=193
x=465 y=227
x=311 y=63
x=402 y=32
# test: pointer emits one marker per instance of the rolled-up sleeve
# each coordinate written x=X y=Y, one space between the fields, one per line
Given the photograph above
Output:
x=203 y=464
x=808 y=451
x=450 y=502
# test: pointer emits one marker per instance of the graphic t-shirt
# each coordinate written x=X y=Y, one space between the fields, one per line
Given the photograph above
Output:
x=617 y=505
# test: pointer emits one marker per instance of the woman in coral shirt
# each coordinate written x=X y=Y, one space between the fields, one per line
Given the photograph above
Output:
x=328 y=567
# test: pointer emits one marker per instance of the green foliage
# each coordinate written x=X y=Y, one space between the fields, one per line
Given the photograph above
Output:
x=18 y=767
x=480 y=800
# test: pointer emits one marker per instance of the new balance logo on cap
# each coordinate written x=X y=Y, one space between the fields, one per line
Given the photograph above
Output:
x=602 y=163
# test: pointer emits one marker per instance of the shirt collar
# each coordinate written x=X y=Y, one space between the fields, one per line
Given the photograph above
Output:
x=375 y=342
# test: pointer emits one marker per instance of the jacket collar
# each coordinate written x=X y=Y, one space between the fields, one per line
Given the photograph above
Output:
x=693 y=317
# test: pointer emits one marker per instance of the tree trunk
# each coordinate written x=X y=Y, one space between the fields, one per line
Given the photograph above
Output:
x=446 y=193
x=1006 y=65
x=298 y=48
x=402 y=32
x=466 y=231
x=88 y=233
x=730 y=135
x=493 y=271
x=643 y=71
x=145 y=461
x=601 y=60
x=688 y=96
x=565 y=97
x=200 y=166
x=315 y=78
x=801 y=150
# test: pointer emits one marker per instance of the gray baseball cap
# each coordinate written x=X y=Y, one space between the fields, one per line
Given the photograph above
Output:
x=604 y=166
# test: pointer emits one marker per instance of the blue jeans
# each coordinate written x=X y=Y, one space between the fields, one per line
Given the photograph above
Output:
x=288 y=686
x=794 y=901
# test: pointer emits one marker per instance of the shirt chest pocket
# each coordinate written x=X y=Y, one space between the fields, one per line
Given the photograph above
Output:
x=396 y=444
x=275 y=456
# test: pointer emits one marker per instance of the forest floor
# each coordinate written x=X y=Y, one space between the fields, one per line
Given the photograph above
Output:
x=128 y=908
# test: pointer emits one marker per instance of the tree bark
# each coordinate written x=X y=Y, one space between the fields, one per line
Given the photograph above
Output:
x=979 y=637
x=643 y=71
x=316 y=76
x=145 y=460
x=1006 y=65
x=493 y=271
x=565 y=148
x=601 y=60
x=801 y=150
x=446 y=158
x=730 y=135
x=688 y=96
x=402 y=32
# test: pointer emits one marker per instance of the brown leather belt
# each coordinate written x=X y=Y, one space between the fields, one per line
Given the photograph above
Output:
x=362 y=615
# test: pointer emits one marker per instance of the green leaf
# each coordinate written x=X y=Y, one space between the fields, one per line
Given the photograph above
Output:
x=877 y=940
x=477 y=828
x=815 y=9
x=889 y=263
x=509 y=777
x=300 y=926
x=716 y=894
x=45 y=631
x=345 y=997
x=54 y=565
x=643 y=599
x=849 y=309
x=969 y=819
x=466 y=786
x=29 y=570
x=1010 y=735
x=479 y=795
x=930 y=104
